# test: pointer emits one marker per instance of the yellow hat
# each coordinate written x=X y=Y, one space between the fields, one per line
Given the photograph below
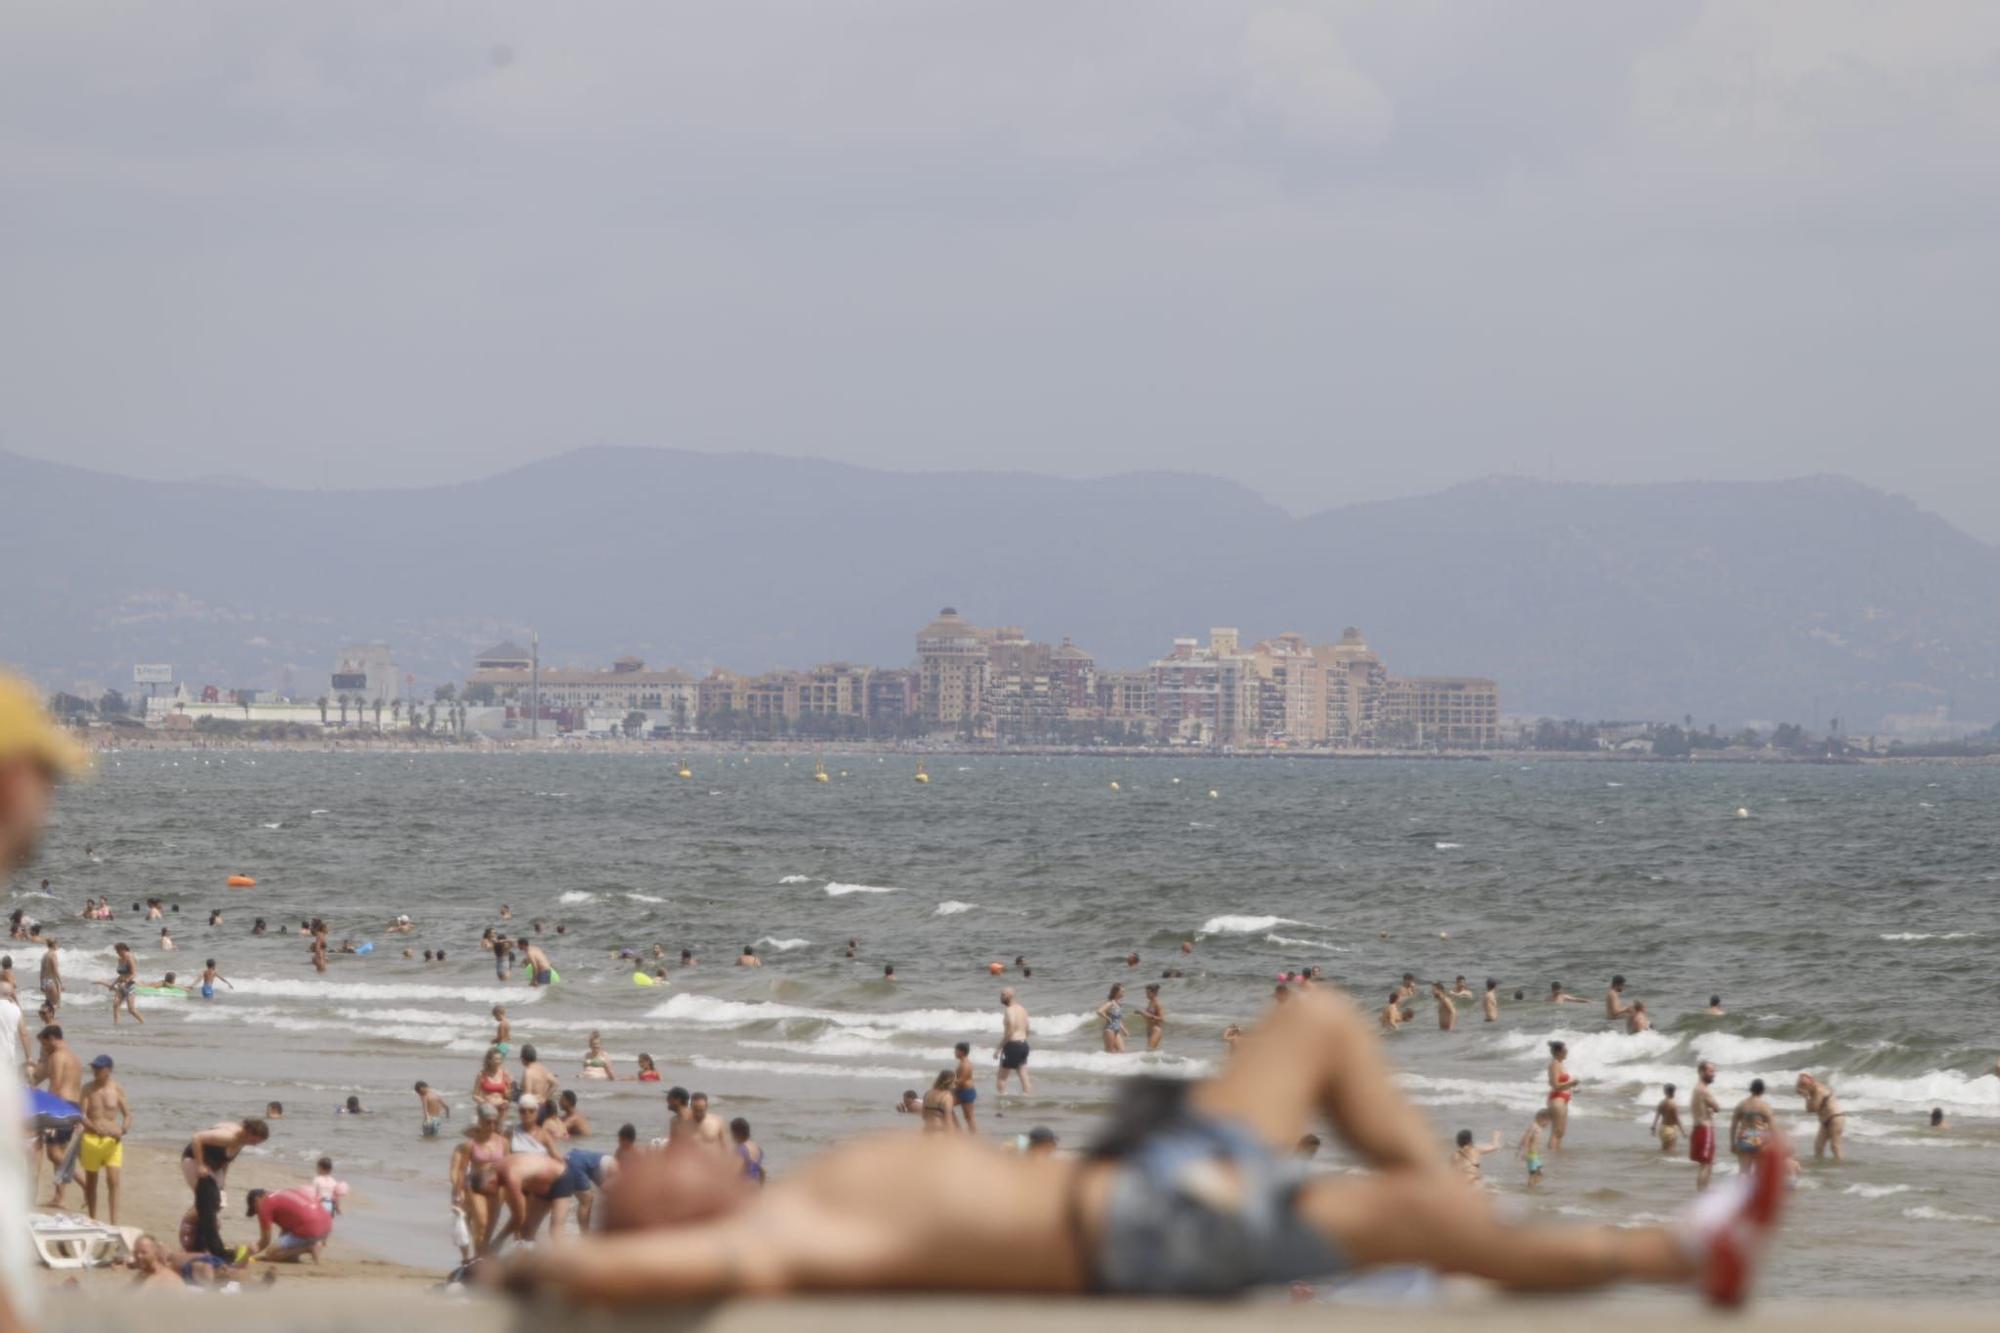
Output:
x=27 y=731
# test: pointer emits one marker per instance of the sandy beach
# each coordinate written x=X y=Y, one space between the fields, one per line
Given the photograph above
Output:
x=153 y=1197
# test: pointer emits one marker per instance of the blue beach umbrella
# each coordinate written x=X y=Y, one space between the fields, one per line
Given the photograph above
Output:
x=48 y=1111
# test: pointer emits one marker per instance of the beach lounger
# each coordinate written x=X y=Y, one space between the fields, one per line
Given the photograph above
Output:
x=64 y=1240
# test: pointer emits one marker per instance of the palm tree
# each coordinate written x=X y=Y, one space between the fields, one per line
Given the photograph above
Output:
x=322 y=710
x=378 y=716
x=343 y=712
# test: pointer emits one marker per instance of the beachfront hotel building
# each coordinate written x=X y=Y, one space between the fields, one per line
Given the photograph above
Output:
x=1455 y=712
x=952 y=663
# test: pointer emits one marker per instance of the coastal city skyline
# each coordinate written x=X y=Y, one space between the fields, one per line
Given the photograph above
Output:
x=965 y=680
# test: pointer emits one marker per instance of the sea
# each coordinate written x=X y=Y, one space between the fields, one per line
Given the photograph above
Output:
x=1846 y=916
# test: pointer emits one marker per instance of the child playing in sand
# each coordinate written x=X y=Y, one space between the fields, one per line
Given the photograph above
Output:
x=1530 y=1150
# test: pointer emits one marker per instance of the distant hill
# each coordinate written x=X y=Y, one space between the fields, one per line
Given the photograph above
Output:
x=1727 y=601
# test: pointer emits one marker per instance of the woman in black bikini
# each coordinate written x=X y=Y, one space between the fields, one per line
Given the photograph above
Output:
x=1821 y=1103
x=205 y=1166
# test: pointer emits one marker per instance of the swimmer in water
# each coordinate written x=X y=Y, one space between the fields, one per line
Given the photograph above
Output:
x=1112 y=1015
x=1465 y=1156
x=1489 y=1003
x=1825 y=1107
x=1615 y=1004
x=1155 y=1015
x=1392 y=1012
x=436 y=1110
x=1937 y=1118
x=1447 y=1007
x=1557 y=995
x=1753 y=1128
x=1461 y=991
x=748 y=958
x=1667 y=1121
x=1714 y=1009
x=1702 y=1109
x=964 y=1089
x=1561 y=1088
x=1529 y=1151
x=1636 y=1020
x=596 y=1064
x=503 y=1031
x=209 y=976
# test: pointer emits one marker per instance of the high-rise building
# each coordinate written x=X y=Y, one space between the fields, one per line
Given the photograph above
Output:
x=1355 y=681
x=951 y=669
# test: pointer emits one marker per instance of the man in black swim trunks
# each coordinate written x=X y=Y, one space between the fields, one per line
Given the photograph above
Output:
x=1013 y=1049
x=1193 y=1191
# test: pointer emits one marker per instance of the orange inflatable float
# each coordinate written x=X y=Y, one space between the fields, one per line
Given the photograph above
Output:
x=996 y=968
x=241 y=882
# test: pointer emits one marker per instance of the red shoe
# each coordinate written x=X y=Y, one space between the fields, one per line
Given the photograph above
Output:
x=1736 y=1245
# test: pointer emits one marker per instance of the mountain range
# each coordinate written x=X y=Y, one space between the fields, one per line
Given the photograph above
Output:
x=1790 y=600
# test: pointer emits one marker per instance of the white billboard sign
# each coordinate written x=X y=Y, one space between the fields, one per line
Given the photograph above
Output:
x=153 y=673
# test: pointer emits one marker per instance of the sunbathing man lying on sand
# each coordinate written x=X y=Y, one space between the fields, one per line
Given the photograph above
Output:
x=1193 y=1191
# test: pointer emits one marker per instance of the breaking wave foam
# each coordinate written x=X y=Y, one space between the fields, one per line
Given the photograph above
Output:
x=1244 y=925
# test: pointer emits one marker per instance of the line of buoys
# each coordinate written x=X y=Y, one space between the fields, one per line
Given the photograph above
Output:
x=241 y=882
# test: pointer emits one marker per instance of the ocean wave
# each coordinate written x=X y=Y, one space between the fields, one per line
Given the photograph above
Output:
x=1430 y=1090
x=1876 y=1191
x=1449 y=846
x=1244 y=925
x=1925 y=1213
x=851 y=1044
x=1293 y=943
x=358 y=991
x=836 y=889
x=644 y=898
x=1727 y=1049
x=782 y=946
x=801 y=1069
x=1589 y=1050
x=953 y=907
x=713 y=1011
x=1948 y=1088
x=574 y=896
x=794 y=879
x=1905 y=936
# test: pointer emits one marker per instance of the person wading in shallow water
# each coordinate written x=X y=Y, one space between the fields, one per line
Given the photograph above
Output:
x=1194 y=1189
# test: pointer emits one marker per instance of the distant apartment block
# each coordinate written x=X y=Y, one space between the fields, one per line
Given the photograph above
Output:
x=1456 y=712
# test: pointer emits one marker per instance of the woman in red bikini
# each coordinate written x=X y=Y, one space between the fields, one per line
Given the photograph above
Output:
x=1561 y=1085
x=494 y=1086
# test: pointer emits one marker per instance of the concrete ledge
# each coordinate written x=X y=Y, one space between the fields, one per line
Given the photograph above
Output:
x=368 y=1308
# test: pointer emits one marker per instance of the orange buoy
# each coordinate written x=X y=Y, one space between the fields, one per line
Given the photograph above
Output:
x=996 y=968
x=242 y=882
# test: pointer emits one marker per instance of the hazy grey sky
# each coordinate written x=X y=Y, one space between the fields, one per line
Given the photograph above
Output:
x=1337 y=251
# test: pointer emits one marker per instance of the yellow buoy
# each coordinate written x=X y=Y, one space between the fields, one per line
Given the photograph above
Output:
x=921 y=775
x=1213 y=793
x=1114 y=786
x=686 y=772
x=820 y=774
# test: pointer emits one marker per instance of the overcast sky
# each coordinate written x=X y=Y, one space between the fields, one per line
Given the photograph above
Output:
x=1336 y=251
